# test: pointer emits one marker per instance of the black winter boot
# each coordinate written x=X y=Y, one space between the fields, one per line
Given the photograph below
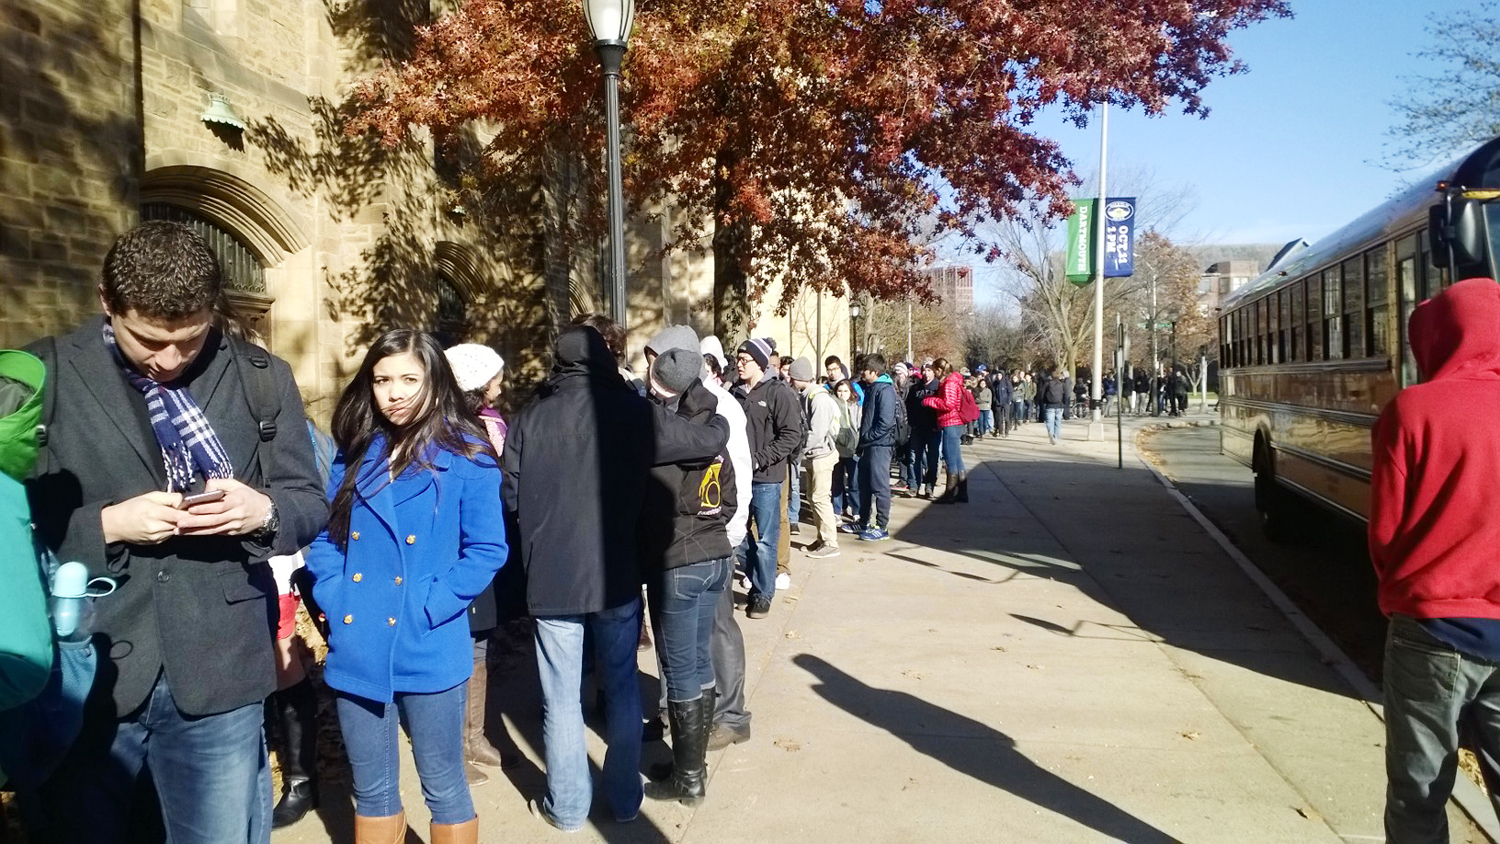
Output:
x=962 y=495
x=689 y=746
x=297 y=713
x=950 y=491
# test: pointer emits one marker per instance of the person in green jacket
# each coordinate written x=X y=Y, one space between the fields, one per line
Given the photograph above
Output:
x=25 y=632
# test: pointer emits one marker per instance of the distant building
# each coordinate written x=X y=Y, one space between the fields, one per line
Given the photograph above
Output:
x=954 y=285
x=1223 y=278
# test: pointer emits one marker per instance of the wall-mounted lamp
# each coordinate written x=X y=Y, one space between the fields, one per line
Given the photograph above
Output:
x=219 y=111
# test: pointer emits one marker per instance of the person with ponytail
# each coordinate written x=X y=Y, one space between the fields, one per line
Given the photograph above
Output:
x=415 y=533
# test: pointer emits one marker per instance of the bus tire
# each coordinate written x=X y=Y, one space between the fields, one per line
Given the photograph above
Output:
x=1275 y=504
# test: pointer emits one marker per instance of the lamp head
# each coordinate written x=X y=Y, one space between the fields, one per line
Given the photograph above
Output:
x=610 y=20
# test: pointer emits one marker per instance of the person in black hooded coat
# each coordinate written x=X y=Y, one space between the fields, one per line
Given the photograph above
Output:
x=576 y=465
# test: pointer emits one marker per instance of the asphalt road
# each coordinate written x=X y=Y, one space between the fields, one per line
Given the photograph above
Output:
x=1326 y=571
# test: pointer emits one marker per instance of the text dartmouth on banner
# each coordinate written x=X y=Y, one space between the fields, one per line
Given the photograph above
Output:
x=1119 y=237
x=1082 y=241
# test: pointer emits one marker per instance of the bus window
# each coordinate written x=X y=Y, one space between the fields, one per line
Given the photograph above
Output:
x=1377 y=297
x=1314 y=318
x=1354 y=308
x=1434 y=278
x=1333 y=334
x=1296 y=292
x=1406 y=292
x=1273 y=328
x=1283 y=324
x=1262 y=333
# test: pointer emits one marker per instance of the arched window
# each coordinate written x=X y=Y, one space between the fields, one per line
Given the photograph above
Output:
x=452 y=318
x=243 y=271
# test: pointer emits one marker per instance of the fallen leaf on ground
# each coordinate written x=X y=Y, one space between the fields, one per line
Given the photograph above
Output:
x=1310 y=814
x=792 y=634
x=1034 y=667
x=915 y=675
x=998 y=648
x=788 y=745
x=1192 y=735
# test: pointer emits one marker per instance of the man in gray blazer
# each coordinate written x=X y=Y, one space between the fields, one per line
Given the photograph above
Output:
x=148 y=404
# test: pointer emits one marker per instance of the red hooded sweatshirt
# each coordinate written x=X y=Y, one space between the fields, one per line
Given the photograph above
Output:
x=1435 y=485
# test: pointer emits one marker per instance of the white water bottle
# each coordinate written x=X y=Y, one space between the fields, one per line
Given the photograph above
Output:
x=72 y=610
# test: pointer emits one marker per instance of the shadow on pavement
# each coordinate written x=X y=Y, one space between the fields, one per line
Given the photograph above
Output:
x=930 y=729
x=1120 y=539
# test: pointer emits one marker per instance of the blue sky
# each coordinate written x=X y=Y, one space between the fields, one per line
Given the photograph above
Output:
x=1292 y=148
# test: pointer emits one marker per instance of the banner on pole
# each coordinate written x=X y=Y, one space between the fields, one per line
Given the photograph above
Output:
x=1082 y=241
x=1119 y=237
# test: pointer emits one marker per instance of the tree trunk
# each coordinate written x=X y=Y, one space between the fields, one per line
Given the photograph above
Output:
x=731 y=245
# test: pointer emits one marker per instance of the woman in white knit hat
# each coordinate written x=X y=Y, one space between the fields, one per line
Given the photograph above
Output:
x=479 y=371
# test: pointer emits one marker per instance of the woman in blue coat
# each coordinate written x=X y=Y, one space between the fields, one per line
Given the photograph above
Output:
x=415 y=532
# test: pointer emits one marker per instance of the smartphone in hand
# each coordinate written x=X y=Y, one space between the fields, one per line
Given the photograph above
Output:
x=207 y=497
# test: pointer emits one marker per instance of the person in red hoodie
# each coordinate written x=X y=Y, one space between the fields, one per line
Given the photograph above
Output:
x=1434 y=530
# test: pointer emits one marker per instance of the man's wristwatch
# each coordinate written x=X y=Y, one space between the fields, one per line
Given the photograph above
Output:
x=268 y=528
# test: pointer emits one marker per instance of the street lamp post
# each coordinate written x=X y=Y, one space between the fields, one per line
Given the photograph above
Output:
x=854 y=311
x=609 y=23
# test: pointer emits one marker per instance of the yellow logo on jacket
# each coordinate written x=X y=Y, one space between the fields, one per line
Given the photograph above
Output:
x=710 y=492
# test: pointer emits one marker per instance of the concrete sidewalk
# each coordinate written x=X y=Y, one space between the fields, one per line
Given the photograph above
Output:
x=1069 y=657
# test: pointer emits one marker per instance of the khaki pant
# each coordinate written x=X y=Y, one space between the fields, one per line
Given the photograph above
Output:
x=819 y=494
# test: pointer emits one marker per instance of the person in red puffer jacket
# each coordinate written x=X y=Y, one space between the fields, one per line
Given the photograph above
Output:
x=1434 y=529
x=948 y=402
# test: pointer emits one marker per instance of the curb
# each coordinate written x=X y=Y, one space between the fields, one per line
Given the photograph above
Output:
x=1466 y=795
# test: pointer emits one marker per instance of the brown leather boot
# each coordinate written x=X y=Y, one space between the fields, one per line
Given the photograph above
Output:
x=390 y=829
x=477 y=747
x=456 y=833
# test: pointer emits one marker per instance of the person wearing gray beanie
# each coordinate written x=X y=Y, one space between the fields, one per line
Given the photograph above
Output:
x=673 y=337
x=674 y=371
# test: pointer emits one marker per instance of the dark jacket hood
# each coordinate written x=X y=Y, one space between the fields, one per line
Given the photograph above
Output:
x=581 y=352
x=1456 y=334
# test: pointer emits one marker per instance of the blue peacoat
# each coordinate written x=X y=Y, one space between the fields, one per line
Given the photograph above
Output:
x=420 y=548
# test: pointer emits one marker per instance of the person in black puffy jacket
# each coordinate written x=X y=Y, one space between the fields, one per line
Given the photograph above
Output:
x=576 y=465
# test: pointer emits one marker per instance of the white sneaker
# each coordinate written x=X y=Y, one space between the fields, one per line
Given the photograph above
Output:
x=745 y=582
x=783 y=581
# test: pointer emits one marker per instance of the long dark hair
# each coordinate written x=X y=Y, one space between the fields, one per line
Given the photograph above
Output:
x=442 y=420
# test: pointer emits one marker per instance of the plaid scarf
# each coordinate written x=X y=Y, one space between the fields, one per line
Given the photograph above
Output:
x=183 y=432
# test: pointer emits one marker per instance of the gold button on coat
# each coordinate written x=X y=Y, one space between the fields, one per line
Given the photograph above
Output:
x=358 y=577
x=348 y=619
x=354 y=536
x=398 y=581
x=411 y=540
x=392 y=621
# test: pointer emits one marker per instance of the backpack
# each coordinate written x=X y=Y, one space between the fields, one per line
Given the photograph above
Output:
x=847 y=438
x=903 y=423
x=968 y=411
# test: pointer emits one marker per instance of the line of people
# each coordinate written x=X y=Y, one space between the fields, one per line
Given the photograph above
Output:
x=178 y=463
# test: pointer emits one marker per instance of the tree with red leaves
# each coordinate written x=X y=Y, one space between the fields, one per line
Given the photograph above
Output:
x=820 y=142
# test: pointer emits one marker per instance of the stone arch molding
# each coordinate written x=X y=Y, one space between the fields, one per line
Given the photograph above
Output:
x=460 y=265
x=271 y=230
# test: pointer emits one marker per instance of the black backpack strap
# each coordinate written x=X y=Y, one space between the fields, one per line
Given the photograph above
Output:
x=47 y=352
x=254 y=367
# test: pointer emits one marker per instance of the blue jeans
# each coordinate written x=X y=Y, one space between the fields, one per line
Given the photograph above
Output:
x=951 y=453
x=559 y=659
x=1054 y=421
x=846 y=487
x=686 y=600
x=212 y=776
x=911 y=465
x=794 y=495
x=875 y=484
x=926 y=447
x=984 y=422
x=759 y=556
x=1433 y=694
x=435 y=722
